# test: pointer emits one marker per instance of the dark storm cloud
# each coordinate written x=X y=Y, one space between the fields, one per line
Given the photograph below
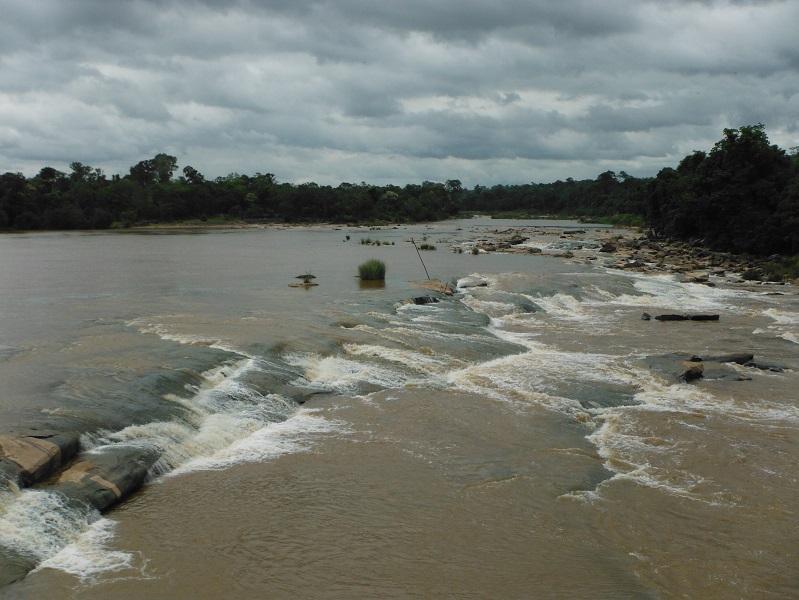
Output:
x=391 y=91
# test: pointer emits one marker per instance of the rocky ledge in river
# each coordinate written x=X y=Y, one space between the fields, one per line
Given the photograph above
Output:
x=691 y=261
x=672 y=317
x=86 y=482
x=691 y=367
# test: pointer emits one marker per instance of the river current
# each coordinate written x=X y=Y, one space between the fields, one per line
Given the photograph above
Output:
x=513 y=440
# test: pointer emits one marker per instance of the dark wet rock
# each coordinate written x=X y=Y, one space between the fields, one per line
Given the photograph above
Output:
x=632 y=264
x=102 y=480
x=671 y=317
x=13 y=566
x=691 y=371
x=25 y=460
x=765 y=366
x=425 y=300
x=646 y=317
x=527 y=307
x=752 y=275
x=740 y=358
x=608 y=247
x=686 y=367
x=723 y=372
x=695 y=277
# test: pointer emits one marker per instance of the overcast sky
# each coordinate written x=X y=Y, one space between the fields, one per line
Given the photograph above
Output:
x=487 y=91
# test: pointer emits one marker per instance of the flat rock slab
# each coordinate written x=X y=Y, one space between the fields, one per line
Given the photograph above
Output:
x=27 y=459
x=687 y=318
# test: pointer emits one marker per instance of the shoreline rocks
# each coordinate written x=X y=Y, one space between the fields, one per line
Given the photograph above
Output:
x=26 y=460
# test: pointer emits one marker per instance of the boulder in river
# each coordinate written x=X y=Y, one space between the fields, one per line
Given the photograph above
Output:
x=692 y=370
x=101 y=480
x=608 y=247
x=25 y=460
x=424 y=300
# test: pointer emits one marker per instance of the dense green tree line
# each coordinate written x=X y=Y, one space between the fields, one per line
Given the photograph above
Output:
x=742 y=195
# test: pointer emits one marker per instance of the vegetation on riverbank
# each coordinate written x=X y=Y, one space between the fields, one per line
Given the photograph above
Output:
x=741 y=196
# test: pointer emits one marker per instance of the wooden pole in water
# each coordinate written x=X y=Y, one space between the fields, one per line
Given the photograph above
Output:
x=420 y=258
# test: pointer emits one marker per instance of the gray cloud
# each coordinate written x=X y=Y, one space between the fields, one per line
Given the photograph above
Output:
x=352 y=90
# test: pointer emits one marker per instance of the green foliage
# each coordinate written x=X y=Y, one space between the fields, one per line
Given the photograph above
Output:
x=741 y=196
x=782 y=269
x=620 y=219
x=372 y=270
x=426 y=246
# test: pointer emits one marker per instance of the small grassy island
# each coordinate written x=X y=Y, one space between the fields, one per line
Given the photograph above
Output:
x=372 y=270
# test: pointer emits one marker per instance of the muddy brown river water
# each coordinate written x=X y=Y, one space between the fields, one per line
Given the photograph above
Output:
x=515 y=440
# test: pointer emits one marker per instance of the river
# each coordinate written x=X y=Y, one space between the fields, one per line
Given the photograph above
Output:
x=511 y=441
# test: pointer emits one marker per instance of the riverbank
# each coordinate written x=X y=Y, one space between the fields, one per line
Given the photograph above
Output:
x=630 y=249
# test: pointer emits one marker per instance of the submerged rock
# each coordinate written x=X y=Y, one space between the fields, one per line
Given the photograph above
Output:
x=740 y=358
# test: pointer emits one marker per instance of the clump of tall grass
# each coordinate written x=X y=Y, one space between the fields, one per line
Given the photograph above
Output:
x=371 y=242
x=372 y=270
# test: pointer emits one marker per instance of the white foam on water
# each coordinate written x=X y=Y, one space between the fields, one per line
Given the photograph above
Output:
x=630 y=455
x=37 y=524
x=417 y=361
x=433 y=333
x=492 y=308
x=536 y=375
x=791 y=337
x=342 y=375
x=664 y=290
x=221 y=412
x=564 y=307
x=783 y=317
x=296 y=434
x=144 y=325
x=90 y=556
x=786 y=324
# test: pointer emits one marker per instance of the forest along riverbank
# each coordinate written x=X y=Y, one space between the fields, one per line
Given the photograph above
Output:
x=534 y=401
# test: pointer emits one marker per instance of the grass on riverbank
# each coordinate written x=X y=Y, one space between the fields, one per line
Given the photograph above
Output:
x=783 y=269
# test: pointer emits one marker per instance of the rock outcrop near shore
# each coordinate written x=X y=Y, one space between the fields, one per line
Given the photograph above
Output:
x=25 y=460
x=52 y=463
x=690 y=367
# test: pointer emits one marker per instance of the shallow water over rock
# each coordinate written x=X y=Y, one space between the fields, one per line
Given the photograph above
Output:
x=526 y=437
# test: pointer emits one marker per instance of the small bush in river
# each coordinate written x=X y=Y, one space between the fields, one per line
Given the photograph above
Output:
x=372 y=270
